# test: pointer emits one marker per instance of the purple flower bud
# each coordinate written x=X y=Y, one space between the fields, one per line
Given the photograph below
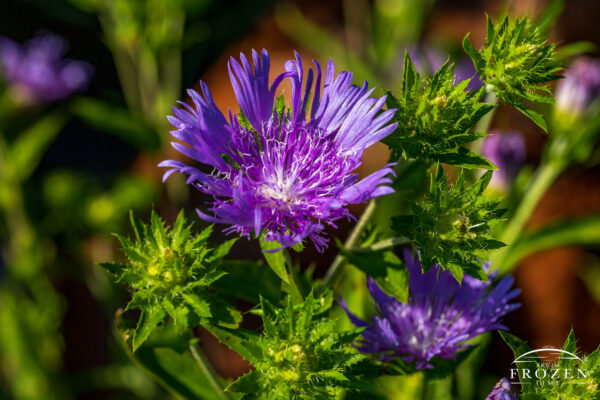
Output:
x=285 y=176
x=580 y=86
x=37 y=71
x=506 y=149
x=501 y=391
x=441 y=314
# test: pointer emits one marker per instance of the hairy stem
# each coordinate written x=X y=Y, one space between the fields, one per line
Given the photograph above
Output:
x=336 y=266
x=208 y=371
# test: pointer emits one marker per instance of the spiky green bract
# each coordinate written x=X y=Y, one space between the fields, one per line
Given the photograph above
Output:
x=516 y=60
x=170 y=273
x=572 y=376
x=435 y=118
x=452 y=225
x=300 y=355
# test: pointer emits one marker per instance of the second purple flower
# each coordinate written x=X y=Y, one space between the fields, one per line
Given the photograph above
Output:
x=441 y=314
x=284 y=175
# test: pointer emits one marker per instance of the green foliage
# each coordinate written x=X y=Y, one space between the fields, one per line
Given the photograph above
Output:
x=452 y=225
x=299 y=355
x=170 y=273
x=383 y=265
x=580 y=382
x=516 y=61
x=580 y=232
x=165 y=358
x=436 y=117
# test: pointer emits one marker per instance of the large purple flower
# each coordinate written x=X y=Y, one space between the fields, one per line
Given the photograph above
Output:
x=439 y=316
x=283 y=174
x=37 y=70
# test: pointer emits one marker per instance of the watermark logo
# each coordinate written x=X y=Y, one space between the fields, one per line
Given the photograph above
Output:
x=527 y=368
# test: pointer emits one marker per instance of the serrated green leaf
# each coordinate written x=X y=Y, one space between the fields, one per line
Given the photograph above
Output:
x=519 y=348
x=237 y=340
x=198 y=305
x=112 y=267
x=247 y=383
x=158 y=230
x=565 y=361
x=178 y=314
x=534 y=116
x=149 y=318
x=465 y=158
x=472 y=53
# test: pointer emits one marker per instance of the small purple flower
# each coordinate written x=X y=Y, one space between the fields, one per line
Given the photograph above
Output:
x=283 y=175
x=37 y=70
x=580 y=86
x=439 y=316
x=501 y=391
x=507 y=151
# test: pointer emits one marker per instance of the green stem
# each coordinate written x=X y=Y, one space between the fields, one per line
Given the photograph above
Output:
x=424 y=388
x=208 y=371
x=385 y=244
x=22 y=255
x=542 y=180
x=336 y=266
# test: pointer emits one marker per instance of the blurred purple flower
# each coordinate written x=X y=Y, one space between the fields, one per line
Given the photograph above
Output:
x=428 y=60
x=506 y=149
x=580 y=86
x=439 y=316
x=38 y=71
x=279 y=174
x=501 y=391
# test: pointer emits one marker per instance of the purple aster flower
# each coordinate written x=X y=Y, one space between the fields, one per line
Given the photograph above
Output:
x=580 y=86
x=507 y=151
x=37 y=70
x=439 y=316
x=501 y=391
x=283 y=175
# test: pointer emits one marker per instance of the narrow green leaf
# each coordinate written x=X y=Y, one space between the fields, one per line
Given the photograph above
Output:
x=275 y=259
x=30 y=145
x=158 y=230
x=410 y=75
x=117 y=121
x=582 y=232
